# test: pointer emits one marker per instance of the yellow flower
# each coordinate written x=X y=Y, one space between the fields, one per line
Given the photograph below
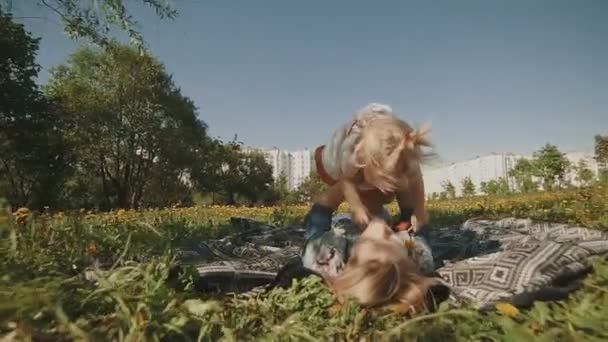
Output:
x=399 y=308
x=22 y=215
x=22 y=211
x=92 y=248
x=507 y=309
x=121 y=215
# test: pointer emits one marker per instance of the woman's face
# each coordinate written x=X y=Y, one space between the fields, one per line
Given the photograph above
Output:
x=386 y=243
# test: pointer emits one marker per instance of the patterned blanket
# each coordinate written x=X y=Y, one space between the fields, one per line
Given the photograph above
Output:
x=482 y=261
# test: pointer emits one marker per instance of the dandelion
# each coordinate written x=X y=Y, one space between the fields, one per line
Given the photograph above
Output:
x=121 y=215
x=92 y=248
x=507 y=309
x=59 y=216
x=22 y=215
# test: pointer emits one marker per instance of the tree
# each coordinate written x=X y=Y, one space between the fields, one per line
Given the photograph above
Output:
x=209 y=173
x=550 y=165
x=33 y=161
x=601 y=156
x=449 y=189
x=495 y=187
x=602 y=176
x=94 y=20
x=584 y=175
x=502 y=186
x=256 y=177
x=280 y=193
x=127 y=121
x=311 y=187
x=489 y=188
x=523 y=173
x=601 y=151
x=226 y=162
x=235 y=175
x=483 y=187
x=280 y=187
x=468 y=187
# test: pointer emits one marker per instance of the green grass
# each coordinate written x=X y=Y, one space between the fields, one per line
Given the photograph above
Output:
x=44 y=295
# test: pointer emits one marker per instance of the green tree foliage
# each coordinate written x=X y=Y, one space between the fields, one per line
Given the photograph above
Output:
x=280 y=187
x=485 y=188
x=602 y=176
x=311 y=187
x=33 y=161
x=127 y=121
x=550 y=165
x=523 y=172
x=256 y=177
x=468 y=188
x=210 y=172
x=449 y=189
x=225 y=167
x=584 y=175
x=601 y=156
x=234 y=176
x=94 y=20
x=280 y=193
x=495 y=187
x=601 y=150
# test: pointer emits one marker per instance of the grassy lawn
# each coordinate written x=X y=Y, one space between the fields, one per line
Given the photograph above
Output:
x=45 y=296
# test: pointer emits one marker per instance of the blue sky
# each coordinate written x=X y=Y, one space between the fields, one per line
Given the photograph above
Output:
x=490 y=76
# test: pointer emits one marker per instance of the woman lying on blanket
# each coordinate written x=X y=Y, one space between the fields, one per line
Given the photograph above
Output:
x=369 y=161
x=381 y=273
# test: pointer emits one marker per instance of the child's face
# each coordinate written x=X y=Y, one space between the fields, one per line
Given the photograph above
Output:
x=370 y=185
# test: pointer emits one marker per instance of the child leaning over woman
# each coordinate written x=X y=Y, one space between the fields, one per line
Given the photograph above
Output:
x=369 y=161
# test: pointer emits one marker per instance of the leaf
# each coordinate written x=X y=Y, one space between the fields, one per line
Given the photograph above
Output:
x=514 y=331
x=200 y=308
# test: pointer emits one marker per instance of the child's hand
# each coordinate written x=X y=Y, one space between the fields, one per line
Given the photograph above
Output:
x=422 y=217
x=360 y=217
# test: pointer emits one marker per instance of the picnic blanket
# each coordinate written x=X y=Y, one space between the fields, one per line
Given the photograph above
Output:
x=482 y=261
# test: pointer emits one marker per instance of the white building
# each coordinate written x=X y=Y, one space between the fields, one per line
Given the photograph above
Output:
x=300 y=166
x=491 y=167
x=280 y=161
x=294 y=165
x=480 y=169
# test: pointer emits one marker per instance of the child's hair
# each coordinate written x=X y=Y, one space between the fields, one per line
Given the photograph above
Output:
x=387 y=150
x=380 y=273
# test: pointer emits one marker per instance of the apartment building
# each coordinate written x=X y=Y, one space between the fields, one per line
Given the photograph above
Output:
x=492 y=167
x=294 y=165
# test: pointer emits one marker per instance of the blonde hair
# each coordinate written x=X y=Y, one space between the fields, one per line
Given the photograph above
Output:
x=380 y=273
x=387 y=149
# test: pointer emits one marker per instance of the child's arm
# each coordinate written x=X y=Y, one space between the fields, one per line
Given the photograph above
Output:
x=345 y=190
x=332 y=197
x=318 y=219
x=411 y=201
x=358 y=209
